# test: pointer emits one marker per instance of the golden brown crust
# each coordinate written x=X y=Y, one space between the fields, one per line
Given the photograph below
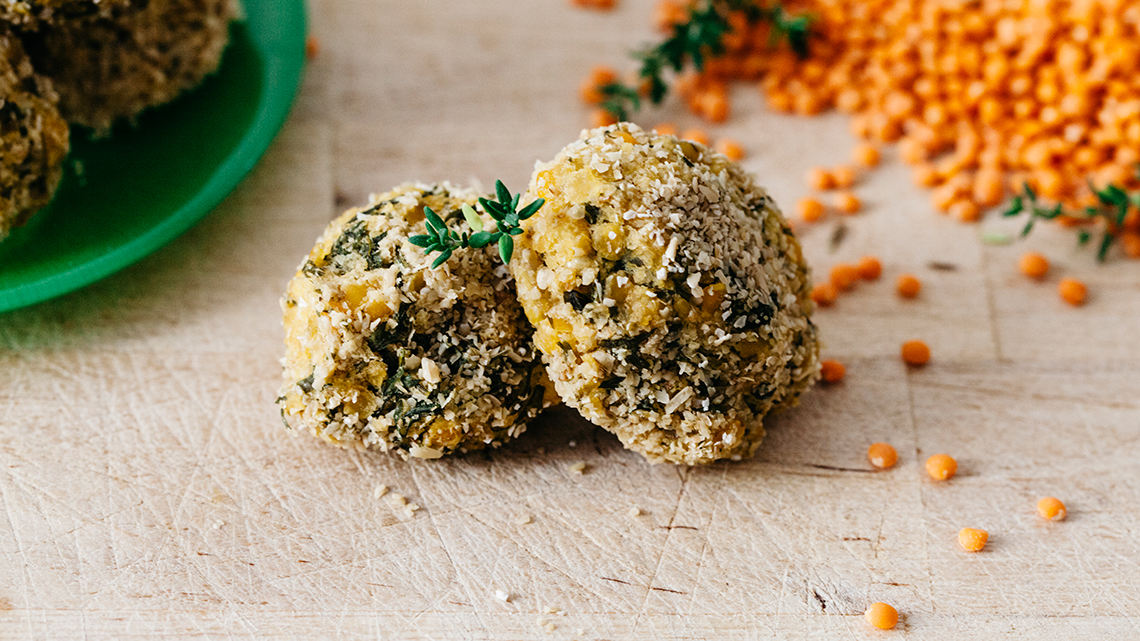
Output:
x=33 y=137
x=669 y=297
x=384 y=351
x=112 y=67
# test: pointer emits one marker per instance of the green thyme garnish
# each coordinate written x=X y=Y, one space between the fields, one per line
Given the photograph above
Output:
x=505 y=212
x=699 y=37
x=1109 y=213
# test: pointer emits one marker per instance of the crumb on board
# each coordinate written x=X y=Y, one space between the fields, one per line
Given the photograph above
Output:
x=379 y=491
x=572 y=444
x=503 y=596
x=579 y=467
x=218 y=524
x=398 y=499
x=634 y=511
x=525 y=519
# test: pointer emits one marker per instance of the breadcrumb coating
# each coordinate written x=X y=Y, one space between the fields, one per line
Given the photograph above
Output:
x=112 y=67
x=385 y=352
x=30 y=14
x=33 y=137
x=669 y=297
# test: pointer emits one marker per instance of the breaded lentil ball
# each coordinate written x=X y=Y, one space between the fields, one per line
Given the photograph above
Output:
x=383 y=351
x=33 y=137
x=30 y=14
x=141 y=55
x=670 y=299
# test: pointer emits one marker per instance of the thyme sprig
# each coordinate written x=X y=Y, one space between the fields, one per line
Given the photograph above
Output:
x=694 y=40
x=1113 y=204
x=505 y=212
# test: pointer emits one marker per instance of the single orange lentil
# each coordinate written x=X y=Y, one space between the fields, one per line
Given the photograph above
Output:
x=1033 y=265
x=869 y=268
x=824 y=294
x=599 y=77
x=832 y=371
x=844 y=276
x=972 y=539
x=1072 y=291
x=666 y=129
x=882 y=455
x=882 y=616
x=1052 y=509
x=811 y=209
x=965 y=210
x=844 y=176
x=820 y=178
x=915 y=353
x=312 y=47
x=848 y=203
x=602 y=118
x=866 y=155
x=1130 y=243
x=941 y=467
x=731 y=148
x=908 y=285
x=696 y=135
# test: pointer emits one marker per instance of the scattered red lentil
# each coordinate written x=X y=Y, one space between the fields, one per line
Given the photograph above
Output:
x=811 y=209
x=869 y=268
x=882 y=455
x=867 y=155
x=915 y=353
x=844 y=276
x=1052 y=509
x=731 y=148
x=941 y=467
x=312 y=47
x=847 y=203
x=882 y=616
x=908 y=285
x=1072 y=291
x=600 y=76
x=1033 y=265
x=844 y=176
x=972 y=539
x=824 y=294
x=696 y=135
x=820 y=178
x=832 y=371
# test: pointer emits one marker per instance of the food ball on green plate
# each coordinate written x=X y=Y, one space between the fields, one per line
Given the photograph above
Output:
x=669 y=297
x=33 y=137
x=113 y=65
x=30 y=14
x=383 y=351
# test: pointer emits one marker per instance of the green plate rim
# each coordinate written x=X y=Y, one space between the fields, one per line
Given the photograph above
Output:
x=283 y=72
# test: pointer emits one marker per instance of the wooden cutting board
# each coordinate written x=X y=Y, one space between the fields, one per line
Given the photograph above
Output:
x=148 y=487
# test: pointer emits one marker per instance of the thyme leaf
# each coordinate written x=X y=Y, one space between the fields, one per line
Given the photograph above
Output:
x=504 y=210
x=1109 y=214
x=694 y=40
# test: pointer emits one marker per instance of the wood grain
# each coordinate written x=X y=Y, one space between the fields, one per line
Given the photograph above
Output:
x=148 y=488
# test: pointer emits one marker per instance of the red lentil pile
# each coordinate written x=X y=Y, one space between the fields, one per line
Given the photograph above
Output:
x=981 y=97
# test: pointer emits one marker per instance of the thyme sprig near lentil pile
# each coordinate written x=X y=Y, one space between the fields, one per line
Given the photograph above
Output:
x=693 y=40
x=1109 y=213
x=507 y=217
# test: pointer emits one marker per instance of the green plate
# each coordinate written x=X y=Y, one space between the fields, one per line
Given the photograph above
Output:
x=124 y=197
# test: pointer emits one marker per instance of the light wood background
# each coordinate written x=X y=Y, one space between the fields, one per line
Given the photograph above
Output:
x=148 y=487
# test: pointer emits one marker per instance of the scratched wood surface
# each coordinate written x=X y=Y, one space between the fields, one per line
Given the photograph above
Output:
x=148 y=487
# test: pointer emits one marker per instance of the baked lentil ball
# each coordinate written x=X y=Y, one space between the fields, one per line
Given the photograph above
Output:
x=141 y=55
x=33 y=137
x=383 y=351
x=30 y=14
x=669 y=297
